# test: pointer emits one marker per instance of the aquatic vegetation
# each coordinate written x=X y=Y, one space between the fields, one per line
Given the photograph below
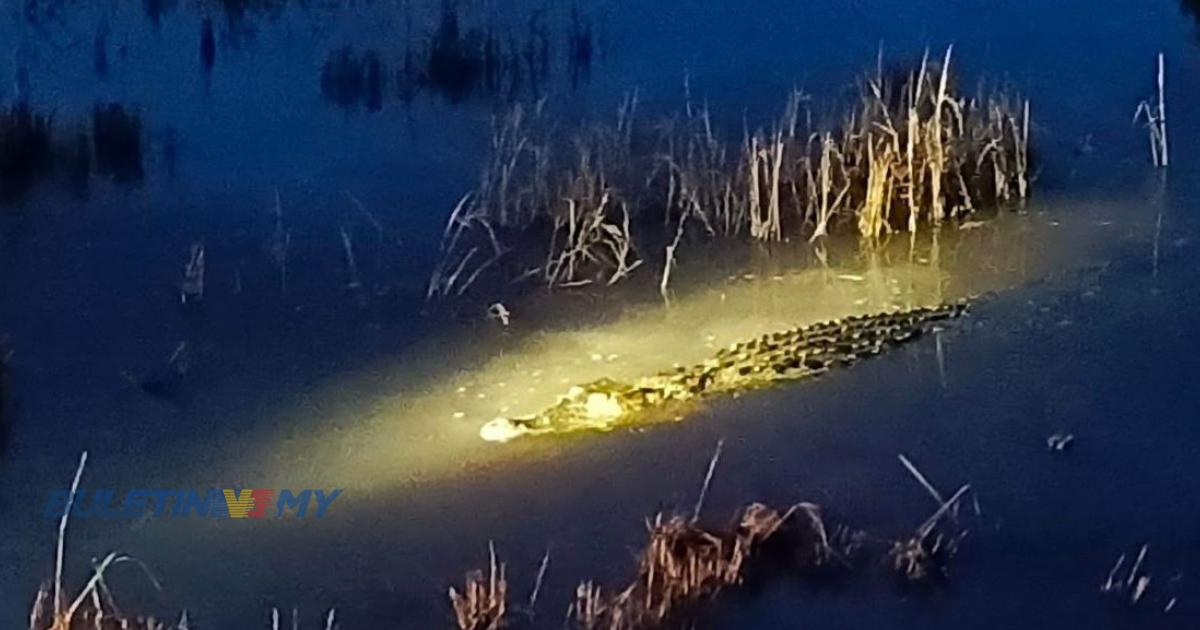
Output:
x=799 y=353
x=1134 y=588
x=924 y=556
x=1154 y=115
x=26 y=151
x=483 y=603
x=93 y=607
x=911 y=152
x=684 y=564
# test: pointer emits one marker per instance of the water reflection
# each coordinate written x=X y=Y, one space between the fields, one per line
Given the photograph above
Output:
x=1192 y=8
x=79 y=167
x=208 y=45
x=154 y=10
x=100 y=50
x=26 y=153
x=30 y=152
x=238 y=9
x=117 y=139
x=459 y=63
x=350 y=80
x=234 y=10
x=580 y=47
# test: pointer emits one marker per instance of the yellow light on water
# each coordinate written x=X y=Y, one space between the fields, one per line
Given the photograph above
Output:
x=425 y=417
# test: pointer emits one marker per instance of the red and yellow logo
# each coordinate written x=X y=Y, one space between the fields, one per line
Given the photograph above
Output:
x=248 y=503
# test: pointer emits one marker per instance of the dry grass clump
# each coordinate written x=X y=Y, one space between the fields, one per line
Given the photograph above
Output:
x=484 y=601
x=924 y=556
x=681 y=566
x=910 y=151
x=685 y=565
x=92 y=614
x=566 y=223
x=93 y=608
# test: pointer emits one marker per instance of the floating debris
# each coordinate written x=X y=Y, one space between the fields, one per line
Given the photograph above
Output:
x=1134 y=587
x=167 y=382
x=191 y=290
x=1060 y=442
x=500 y=313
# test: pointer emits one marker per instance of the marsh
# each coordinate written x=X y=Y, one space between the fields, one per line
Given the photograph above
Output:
x=315 y=154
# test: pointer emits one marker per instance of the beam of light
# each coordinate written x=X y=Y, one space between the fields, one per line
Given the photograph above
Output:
x=418 y=421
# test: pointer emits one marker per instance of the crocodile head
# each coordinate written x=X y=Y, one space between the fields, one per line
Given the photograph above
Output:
x=503 y=430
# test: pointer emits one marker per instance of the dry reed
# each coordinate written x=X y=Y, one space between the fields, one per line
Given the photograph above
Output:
x=483 y=603
x=1154 y=116
x=682 y=566
x=93 y=607
x=911 y=151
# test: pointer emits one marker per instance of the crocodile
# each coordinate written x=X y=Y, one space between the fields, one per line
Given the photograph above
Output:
x=797 y=353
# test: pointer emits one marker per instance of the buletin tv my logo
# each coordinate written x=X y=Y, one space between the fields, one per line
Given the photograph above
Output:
x=238 y=503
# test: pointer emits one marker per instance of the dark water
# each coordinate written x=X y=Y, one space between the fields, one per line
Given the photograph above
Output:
x=148 y=127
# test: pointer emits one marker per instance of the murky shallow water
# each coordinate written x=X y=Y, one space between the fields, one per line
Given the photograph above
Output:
x=1096 y=336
